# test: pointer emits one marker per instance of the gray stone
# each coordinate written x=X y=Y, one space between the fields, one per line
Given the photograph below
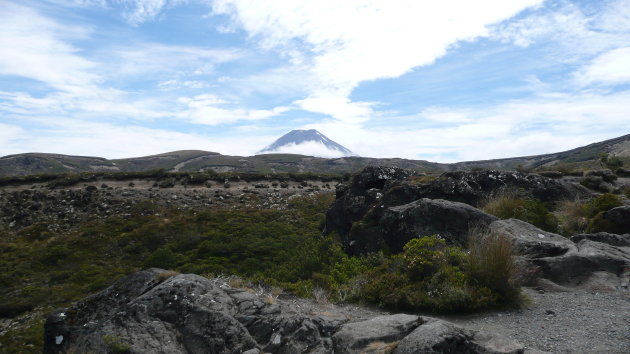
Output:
x=619 y=218
x=356 y=337
x=604 y=237
x=424 y=217
x=530 y=241
x=437 y=336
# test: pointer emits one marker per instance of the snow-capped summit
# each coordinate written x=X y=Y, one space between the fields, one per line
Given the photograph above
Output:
x=306 y=142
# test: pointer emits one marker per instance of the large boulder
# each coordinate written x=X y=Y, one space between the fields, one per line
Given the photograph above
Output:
x=155 y=311
x=530 y=241
x=185 y=313
x=618 y=219
x=358 y=336
x=591 y=259
x=436 y=336
x=552 y=257
x=450 y=220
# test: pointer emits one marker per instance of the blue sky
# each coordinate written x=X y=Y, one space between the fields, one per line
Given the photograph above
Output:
x=437 y=80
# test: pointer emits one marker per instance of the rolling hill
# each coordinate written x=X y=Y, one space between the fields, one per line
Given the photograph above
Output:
x=586 y=157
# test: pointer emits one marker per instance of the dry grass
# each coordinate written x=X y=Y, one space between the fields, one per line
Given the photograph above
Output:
x=380 y=347
x=165 y=275
x=572 y=216
x=320 y=295
x=422 y=179
x=505 y=203
x=492 y=265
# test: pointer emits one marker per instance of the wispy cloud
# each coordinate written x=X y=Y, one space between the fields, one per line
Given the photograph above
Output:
x=33 y=46
x=346 y=43
x=612 y=67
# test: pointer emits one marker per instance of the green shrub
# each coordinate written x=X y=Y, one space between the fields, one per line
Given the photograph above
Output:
x=162 y=258
x=427 y=255
x=595 y=183
x=602 y=203
x=429 y=275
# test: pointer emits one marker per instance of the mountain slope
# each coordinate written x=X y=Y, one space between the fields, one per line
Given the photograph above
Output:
x=307 y=142
x=586 y=157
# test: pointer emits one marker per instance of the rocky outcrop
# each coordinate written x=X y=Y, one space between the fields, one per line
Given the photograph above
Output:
x=355 y=337
x=564 y=262
x=473 y=187
x=354 y=200
x=610 y=265
x=435 y=336
x=155 y=311
x=604 y=237
x=365 y=213
x=450 y=220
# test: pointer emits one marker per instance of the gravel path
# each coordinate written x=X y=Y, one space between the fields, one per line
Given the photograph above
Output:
x=563 y=322
x=575 y=321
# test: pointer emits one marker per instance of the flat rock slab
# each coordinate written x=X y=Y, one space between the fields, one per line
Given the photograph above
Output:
x=437 y=336
x=357 y=337
x=530 y=241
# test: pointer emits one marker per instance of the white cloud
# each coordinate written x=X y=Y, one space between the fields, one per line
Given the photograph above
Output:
x=344 y=43
x=139 y=11
x=9 y=134
x=202 y=109
x=77 y=137
x=338 y=107
x=309 y=148
x=612 y=67
x=575 y=35
x=153 y=58
x=33 y=46
x=522 y=127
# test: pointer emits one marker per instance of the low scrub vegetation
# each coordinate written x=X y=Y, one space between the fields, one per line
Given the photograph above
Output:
x=69 y=179
x=277 y=248
x=432 y=276
x=579 y=217
x=508 y=203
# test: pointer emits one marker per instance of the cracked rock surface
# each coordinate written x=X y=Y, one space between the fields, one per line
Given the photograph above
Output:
x=153 y=311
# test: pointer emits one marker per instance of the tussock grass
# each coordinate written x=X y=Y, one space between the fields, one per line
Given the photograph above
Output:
x=573 y=217
x=579 y=217
x=513 y=203
x=491 y=264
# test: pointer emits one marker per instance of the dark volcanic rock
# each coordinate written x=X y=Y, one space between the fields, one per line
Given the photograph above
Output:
x=355 y=337
x=553 y=257
x=604 y=237
x=359 y=208
x=619 y=219
x=424 y=217
x=473 y=187
x=435 y=336
x=591 y=259
x=353 y=201
x=154 y=311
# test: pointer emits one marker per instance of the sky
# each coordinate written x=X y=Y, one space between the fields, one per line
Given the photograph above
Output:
x=445 y=81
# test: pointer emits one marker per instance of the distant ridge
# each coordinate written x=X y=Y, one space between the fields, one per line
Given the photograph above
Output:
x=582 y=158
x=307 y=142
